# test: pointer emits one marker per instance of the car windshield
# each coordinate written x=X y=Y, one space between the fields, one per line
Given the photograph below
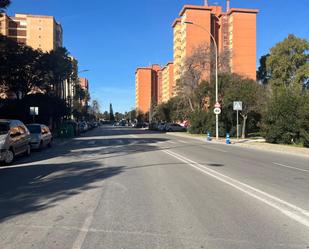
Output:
x=34 y=128
x=4 y=128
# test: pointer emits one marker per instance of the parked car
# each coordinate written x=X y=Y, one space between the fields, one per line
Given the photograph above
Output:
x=14 y=140
x=162 y=126
x=140 y=125
x=83 y=126
x=40 y=136
x=174 y=127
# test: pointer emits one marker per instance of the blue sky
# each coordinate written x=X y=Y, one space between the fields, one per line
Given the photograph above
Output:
x=112 y=38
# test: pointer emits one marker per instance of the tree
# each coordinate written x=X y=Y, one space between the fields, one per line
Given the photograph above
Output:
x=198 y=67
x=280 y=122
x=111 y=113
x=21 y=69
x=288 y=61
x=3 y=5
x=285 y=118
x=118 y=116
x=58 y=67
x=105 y=115
x=249 y=92
x=95 y=106
x=262 y=74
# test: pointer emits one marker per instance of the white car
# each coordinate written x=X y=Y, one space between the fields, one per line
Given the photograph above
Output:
x=40 y=136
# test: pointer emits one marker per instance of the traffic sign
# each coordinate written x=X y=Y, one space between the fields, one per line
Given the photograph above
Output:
x=217 y=105
x=34 y=111
x=217 y=111
x=237 y=106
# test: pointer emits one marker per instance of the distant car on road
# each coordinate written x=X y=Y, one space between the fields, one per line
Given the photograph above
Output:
x=140 y=125
x=40 y=136
x=14 y=140
x=174 y=127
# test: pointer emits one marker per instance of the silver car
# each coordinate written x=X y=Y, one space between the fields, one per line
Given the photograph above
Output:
x=14 y=140
x=40 y=136
x=174 y=127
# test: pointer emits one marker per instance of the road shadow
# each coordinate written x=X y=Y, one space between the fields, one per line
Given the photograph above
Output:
x=30 y=189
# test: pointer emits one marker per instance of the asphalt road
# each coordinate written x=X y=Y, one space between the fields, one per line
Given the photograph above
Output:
x=125 y=188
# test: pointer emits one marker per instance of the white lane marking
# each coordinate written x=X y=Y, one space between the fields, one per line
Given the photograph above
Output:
x=133 y=136
x=83 y=233
x=80 y=239
x=90 y=149
x=296 y=213
x=290 y=167
x=170 y=142
x=181 y=141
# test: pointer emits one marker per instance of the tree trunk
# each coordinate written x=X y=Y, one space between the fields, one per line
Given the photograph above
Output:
x=245 y=117
x=191 y=106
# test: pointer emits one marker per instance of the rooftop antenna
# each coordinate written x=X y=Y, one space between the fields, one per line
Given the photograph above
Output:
x=228 y=5
x=206 y=2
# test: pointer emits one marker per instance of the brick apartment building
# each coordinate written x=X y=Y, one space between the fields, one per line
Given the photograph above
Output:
x=168 y=86
x=38 y=32
x=148 y=81
x=234 y=31
x=84 y=84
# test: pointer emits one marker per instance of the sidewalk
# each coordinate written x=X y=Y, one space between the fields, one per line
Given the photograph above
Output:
x=259 y=144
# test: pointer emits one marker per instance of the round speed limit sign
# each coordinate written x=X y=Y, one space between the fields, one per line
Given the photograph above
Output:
x=217 y=111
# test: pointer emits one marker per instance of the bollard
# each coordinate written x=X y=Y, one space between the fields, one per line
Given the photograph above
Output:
x=209 y=136
x=228 y=140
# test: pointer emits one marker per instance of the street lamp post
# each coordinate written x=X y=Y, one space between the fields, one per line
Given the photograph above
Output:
x=216 y=50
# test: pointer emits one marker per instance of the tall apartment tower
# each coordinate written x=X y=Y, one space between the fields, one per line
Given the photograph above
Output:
x=187 y=37
x=38 y=32
x=234 y=30
x=167 y=82
x=146 y=87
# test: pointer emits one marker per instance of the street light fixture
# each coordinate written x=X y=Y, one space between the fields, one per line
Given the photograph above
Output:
x=83 y=71
x=216 y=48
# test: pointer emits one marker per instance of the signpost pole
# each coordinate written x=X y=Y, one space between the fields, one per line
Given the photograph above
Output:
x=237 y=130
x=237 y=106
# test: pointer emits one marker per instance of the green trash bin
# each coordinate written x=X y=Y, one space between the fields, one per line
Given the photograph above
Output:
x=66 y=131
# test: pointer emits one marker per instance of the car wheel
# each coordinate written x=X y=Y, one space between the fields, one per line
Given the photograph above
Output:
x=41 y=145
x=28 y=151
x=9 y=157
x=50 y=143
